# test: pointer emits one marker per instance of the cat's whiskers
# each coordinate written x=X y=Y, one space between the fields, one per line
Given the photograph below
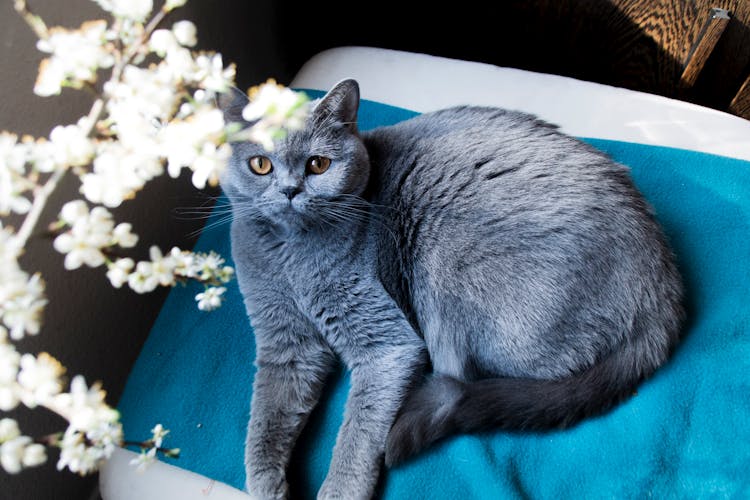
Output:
x=240 y=209
x=343 y=212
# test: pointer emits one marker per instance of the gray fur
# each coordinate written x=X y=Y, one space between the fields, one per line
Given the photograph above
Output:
x=522 y=263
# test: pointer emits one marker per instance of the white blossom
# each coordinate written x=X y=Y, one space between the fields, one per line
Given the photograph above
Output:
x=179 y=64
x=211 y=298
x=12 y=153
x=211 y=74
x=76 y=456
x=70 y=145
x=163 y=41
x=142 y=461
x=149 y=92
x=173 y=4
x=119 y=271
x=276 y=104
x=116 y=176
x=184 y=262
x=90 y=232
x=136 y=129
x=84 y=407
x=275 y=109
x=11 y=454
x=162 y=267
x=21 y=297
x=10 y=361
x=159 y=432
x=42 y=154
x=185 y=33
x=210 y=163
x=8 y=397
x=225 y=274
x=22 y=304
x=94 y=429
x=186 y=141
x=73 y=211
x=33 y=455
x=73 y=453
x=75 y=57
x=142 y=280
x=13 y=184
x=264 y=134
x=135 y=10
x=39 y=379
x=207 y=265
x=106 y=434
x=19 y=451
x=123 y=235
x=8 y=430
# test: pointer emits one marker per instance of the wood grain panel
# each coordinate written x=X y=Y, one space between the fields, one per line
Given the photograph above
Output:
x=709 y=36
x=740 y=104
x=676 y=26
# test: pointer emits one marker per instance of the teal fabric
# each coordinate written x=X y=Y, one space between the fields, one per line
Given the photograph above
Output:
x=685 y=434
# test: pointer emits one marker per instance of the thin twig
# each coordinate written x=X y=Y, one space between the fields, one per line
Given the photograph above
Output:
x=41 y=195
x=50 y=439
x=34 y=21
x=133 y=49
x=169 y=452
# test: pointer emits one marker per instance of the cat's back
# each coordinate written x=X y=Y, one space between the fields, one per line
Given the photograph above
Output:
x=479 y=169
x=484 y=154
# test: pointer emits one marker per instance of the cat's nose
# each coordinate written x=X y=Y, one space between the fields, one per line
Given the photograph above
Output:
x=291 y=191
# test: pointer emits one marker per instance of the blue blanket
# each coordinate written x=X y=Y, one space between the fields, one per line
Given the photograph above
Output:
x=686 y=434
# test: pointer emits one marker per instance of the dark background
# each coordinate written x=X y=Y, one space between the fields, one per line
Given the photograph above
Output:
x=98 y=331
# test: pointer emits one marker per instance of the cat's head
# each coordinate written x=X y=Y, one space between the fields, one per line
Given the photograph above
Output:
x=295 y=185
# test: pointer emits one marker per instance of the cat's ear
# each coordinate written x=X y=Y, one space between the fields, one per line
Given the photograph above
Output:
x=341 y=104
x=231 y=103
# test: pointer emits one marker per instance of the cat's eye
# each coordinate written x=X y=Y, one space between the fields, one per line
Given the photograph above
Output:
x=317 y=164
x=260 y=165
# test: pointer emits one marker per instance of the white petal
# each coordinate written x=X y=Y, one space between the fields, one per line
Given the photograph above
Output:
x=63 y=243
x=73 y=260
x=8 y=429
x=73 y=211
x=34 y=455
x=185 y=33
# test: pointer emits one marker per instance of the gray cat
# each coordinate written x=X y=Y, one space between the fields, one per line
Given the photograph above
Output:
x=518 y=262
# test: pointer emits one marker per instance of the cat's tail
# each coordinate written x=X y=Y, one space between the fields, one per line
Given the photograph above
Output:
x=444 y=405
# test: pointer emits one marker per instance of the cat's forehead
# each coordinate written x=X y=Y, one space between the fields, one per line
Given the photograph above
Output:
x=314 y=139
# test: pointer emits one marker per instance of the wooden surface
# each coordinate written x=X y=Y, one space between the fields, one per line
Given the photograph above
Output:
x=740 y=105
x=676 y=26
x=638 y=44
x=704 y=46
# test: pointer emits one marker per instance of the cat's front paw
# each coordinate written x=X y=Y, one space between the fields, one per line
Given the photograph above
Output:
x=333 y=490
x=267 y=488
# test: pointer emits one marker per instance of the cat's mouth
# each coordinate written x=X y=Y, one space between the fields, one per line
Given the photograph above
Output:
x=292 y=206
x=288 y=211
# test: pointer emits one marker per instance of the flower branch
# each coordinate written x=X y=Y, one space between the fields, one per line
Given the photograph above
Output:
x=143 y=119
x=35 y=22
